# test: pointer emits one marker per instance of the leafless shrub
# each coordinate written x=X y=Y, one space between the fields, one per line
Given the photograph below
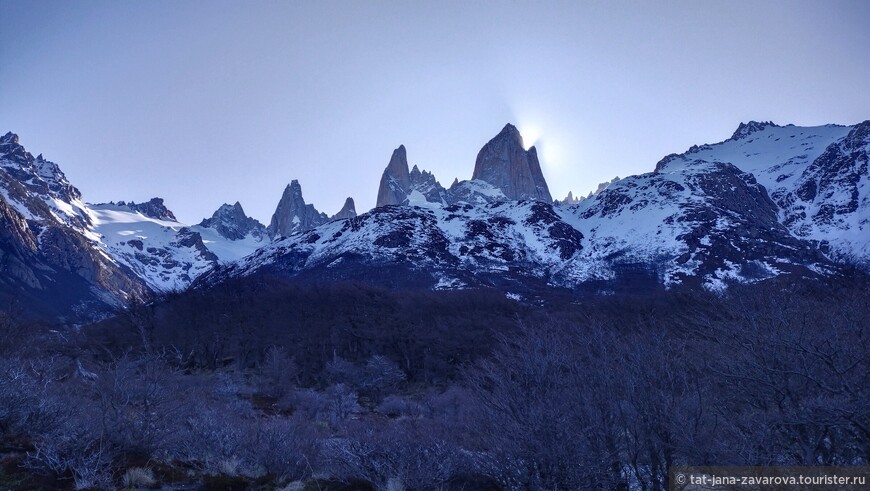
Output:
x=398 y=406
x=391 y=455
x=341 y=403
x=138 y=477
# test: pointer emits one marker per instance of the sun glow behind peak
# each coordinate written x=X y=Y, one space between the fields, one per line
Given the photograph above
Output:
x=548 y=147
x=531 y=134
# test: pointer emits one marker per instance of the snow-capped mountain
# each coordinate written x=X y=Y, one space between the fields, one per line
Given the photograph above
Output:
x=50 y=257
x=710 y=222
x=752 y=207
x=503 y=170
x=164 y=253
x=817 y=176
x=119 y=251
x=770 y=200
x=441 y=246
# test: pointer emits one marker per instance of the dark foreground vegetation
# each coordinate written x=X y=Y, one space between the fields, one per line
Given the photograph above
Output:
x=269 y=385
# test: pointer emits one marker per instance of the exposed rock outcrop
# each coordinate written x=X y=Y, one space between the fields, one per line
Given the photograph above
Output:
x=745 y=129
x=153 y=208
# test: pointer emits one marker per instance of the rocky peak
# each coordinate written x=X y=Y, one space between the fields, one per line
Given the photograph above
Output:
x=9 y=138
x=570 y=199
x=746 y=129
x=153 y=208
x=347 y=211
x=293 y=215
x=398 y=184
x=395 y=181
x=13 y=152
x=231 y=222
x=39 y=179
x=505 y=164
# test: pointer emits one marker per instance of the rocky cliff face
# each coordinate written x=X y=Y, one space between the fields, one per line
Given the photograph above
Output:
x=293 y=215
x=504 y=170
x=831 y=199
x=39 y=184
x=505 y=164
x=18 y=249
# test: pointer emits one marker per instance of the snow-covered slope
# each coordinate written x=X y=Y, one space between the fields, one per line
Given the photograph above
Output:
x=709 y=225
x=170 y=255
x=768 y=201
x=439 y=246
x=164 y=253
x=709 y=221
x=817 y=176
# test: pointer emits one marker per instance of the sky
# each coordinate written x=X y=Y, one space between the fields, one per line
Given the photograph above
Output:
x=210 y=102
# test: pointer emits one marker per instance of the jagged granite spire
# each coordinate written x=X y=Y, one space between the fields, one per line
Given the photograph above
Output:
x=293 y=215
x=399 y=186
x=505 y=164
x=395 y=181
x=347 y=211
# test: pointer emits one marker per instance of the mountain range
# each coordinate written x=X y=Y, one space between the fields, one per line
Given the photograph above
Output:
x=768 y=201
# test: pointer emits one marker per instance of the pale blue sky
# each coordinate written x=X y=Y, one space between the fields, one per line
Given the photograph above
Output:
x=208 y=102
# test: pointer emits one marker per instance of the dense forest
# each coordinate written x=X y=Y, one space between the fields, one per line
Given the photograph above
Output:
x=263 y=383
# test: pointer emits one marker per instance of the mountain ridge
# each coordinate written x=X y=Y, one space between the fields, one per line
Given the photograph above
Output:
x=768 y=201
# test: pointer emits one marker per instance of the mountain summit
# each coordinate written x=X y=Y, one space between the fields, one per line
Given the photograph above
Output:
x=232 y=223
x=396 y=180
x=399 y=186
x=504 y=171
x=293 y=214
x=506 y=165
x=347 y=211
